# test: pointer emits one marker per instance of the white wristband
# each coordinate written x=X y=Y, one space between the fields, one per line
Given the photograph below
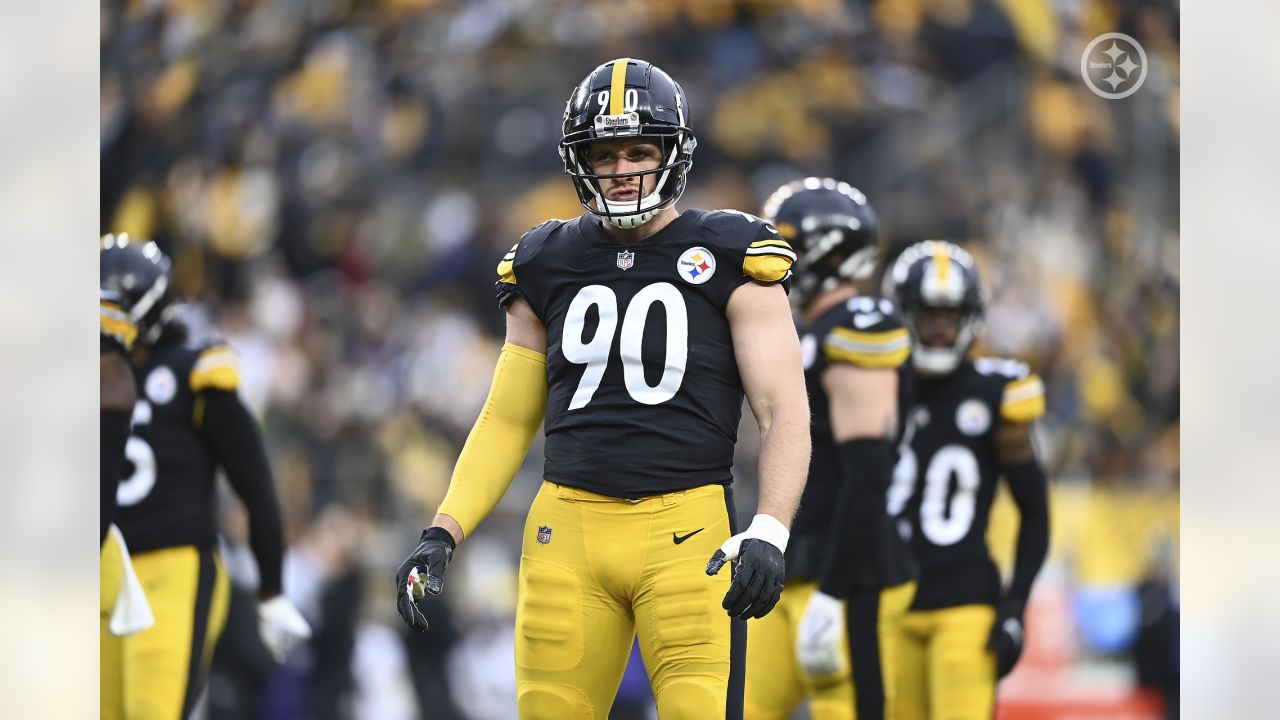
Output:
x=770 y=529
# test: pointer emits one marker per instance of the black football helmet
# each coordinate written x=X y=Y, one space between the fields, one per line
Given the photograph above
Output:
x=833 y=230
x=628 y=98
x=135 y=274
x=938 y=274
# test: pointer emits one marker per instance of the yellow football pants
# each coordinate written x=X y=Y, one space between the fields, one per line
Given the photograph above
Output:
x=158 y=674
x=945 y=670
x=776 y=684
x=595 y=572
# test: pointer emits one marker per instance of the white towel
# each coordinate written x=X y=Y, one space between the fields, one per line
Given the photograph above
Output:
x=132 y=613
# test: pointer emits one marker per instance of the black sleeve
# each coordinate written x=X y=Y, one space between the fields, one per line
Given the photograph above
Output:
x=232 y=435
x=1031 y=493
x=114 y=429
x=866 y=465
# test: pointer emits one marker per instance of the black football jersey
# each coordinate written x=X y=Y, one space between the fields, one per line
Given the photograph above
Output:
x=945 y=480
x=643 y=393
x=166 y=498
x=865 y=332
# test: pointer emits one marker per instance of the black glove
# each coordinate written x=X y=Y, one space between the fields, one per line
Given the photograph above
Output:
x=1006 y=635
x=432 y=555
x=757 y=583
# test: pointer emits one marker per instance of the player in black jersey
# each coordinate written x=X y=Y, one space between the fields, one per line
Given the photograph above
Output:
x=633 y=333
x=849 y=576
x=187 y=422
x=117 y=394
x=123 y=607
x=969 y=426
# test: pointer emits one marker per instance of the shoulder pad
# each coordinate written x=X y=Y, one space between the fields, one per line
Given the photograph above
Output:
x=114 y=324
x=766 y=258
x=216 y=368
x=1023 y=397
x=1005 y=367
x=871 y=335
x=530 y=243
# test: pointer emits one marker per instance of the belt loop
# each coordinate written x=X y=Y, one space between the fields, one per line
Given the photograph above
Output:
x=669 y=499
x=563 y=492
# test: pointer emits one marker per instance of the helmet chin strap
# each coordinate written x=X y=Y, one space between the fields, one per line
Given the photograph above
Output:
x=648 y=208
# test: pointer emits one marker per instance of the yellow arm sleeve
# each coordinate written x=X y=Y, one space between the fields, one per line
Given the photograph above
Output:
x=500 y=437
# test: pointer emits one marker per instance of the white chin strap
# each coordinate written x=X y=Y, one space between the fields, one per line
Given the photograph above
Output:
x=647 y=209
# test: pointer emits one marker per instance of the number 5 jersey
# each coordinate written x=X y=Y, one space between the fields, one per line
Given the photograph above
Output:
x=644 y=396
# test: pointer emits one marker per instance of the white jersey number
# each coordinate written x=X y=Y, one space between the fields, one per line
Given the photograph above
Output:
x=135 y=488
x=942 y=522
x=594 y=353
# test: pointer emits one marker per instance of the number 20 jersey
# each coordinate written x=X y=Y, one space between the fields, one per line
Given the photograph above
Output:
x=945 y=480
x=644 y=395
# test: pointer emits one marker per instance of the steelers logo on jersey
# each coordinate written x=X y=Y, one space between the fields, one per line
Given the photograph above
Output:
x=161 y=385
x=972 y=417
x=696 y=265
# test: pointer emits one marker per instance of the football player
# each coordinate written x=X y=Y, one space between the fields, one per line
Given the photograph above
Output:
x=187 y=422
x=634 y=331
x=123 y=606
x=969 y=426
x=117 y=394
x=849 y=575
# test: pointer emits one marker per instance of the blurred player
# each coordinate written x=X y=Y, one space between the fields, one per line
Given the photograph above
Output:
x=123 y=607
x=848 y=573
x=970 y=425
x=188 y=421
x=635 y=329
x=117 y=393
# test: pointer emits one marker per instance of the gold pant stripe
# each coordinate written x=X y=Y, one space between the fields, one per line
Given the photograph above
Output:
x=157 y=673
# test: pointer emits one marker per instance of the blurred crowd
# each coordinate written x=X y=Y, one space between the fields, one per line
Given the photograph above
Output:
x=337 y=179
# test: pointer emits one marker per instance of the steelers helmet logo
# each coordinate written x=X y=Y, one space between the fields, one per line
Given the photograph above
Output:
x=161 y=385
x=972 y=417
x=696 y=265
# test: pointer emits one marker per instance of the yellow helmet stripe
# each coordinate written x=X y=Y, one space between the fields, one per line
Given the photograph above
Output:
x=941 y=262
x=617 y=86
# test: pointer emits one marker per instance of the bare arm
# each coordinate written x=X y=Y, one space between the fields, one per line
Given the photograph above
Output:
x=767 y=350
x=524 y=330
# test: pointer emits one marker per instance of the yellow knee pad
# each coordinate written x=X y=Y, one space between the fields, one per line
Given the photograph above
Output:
x=549 y=701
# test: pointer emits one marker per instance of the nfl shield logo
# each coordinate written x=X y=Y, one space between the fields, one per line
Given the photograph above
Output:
x=626 y=259
x=544 y=532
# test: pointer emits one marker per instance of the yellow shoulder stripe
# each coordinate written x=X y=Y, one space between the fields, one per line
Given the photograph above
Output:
x=113 y=322
x=882 y=349
x=1023 y=400
x=217 y=368
x=771 y=242
x=766 y=268
x=507 y=268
